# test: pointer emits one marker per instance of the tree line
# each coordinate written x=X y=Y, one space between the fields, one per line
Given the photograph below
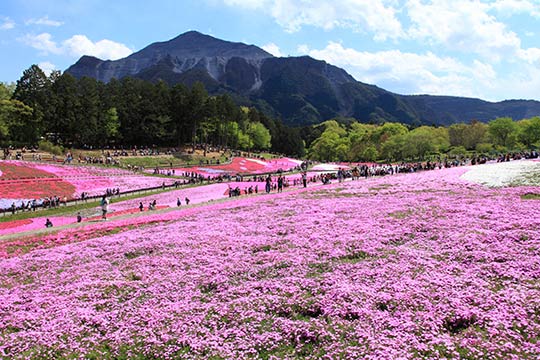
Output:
x=349 y=140
x=123 y=113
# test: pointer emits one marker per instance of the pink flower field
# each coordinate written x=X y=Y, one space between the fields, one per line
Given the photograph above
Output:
x=423 y=265
x=29 y=180
x=241 y=165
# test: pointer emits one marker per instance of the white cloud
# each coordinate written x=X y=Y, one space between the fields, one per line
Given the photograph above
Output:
x=272 y=49
x=411 y=73
x=371 y=16
x=47 y=67
x=531 y=55
x=78 y=45
x=302 y=49
x=461 y=25
x=7 y=24
x=42 y=42
x=44 y=21
x=512 y=7
x=523 y=84
x=250 y=4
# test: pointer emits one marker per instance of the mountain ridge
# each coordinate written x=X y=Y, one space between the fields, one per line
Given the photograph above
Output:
x=300 y=90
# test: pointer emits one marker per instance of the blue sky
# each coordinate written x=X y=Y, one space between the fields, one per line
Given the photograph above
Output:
x=488 y=49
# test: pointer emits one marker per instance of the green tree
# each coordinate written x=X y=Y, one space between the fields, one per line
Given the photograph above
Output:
x=33 y=90
x=457 y=134
x=361 y=142
x=529 y=131
x=467 y=135
x=244 y=141
x=476 y=134
x=6 y=90
x=425 y=140
x=196 y=109
x=226 y=112
x=179 y=113
x=111 y=125
x=503 y=131
x=64 y=121
x=387 y=130
x=393 y=148
x=332 y=145
x=90 y=115
x=287 y=140
x=260 y=136
x=13 y=115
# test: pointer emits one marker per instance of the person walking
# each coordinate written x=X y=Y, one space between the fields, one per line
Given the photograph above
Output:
x=268 y=185
x=304 y=179
x=104 y=207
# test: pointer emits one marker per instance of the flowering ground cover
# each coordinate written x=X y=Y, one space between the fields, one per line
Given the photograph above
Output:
x=513 y=173
x=241 y=165
x=19 y=182
x=23 y=181
x=423 y=265
x=14 y=224
x=329 y=167
x=196 y=195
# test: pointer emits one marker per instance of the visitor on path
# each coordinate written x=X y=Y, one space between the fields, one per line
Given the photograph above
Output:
x=340 y=175
x=48 y=223
x=268 y=185
x=304 y=179
x=178 y=202
x=186 y=200
x=79 y=217
x=104 y=207
x=141 y=206
x=280 y=184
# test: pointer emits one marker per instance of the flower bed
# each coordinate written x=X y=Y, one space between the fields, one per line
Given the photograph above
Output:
x=14 y=224
x=240 y=165
x=329 y=167
x=22 y=183
x=27 y=180
x=421 y=265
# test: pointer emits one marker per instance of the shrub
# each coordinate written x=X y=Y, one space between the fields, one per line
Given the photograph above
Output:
x=49 y=147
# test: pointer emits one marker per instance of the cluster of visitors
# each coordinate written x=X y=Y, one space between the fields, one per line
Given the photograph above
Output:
x=533 y=154
x=32 y=205
x=112 y=192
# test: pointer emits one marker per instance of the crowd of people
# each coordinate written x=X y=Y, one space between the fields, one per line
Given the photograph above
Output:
x=276 y=181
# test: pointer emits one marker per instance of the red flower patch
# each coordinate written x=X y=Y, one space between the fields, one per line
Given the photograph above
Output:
x=15 y=223
x=21 y=182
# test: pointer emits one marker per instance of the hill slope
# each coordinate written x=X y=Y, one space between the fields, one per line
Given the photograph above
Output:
x=300 y=90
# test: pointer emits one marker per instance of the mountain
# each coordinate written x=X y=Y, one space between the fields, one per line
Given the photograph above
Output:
x=299 y=90
x=446 y=110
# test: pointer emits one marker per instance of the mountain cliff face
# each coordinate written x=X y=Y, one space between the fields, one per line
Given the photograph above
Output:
x=300 y=90
x=191 y=50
